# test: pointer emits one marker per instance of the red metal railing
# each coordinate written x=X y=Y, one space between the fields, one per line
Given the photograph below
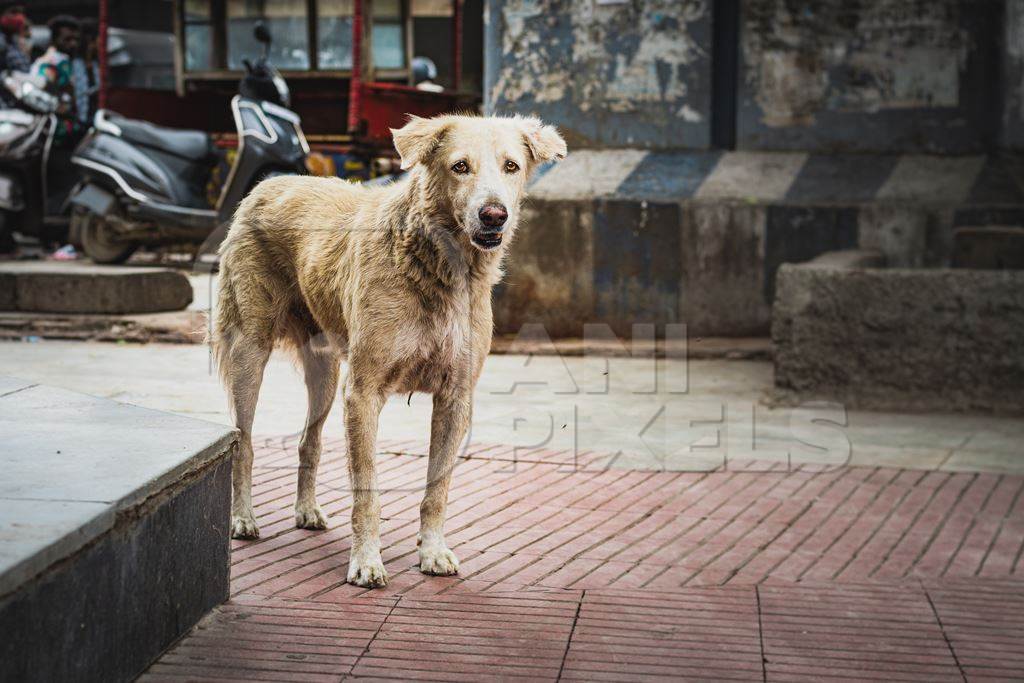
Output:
x=103 y=22
x=355 y=90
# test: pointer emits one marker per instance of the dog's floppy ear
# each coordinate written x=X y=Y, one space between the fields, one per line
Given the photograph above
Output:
x=544 y=142
x=416 y=140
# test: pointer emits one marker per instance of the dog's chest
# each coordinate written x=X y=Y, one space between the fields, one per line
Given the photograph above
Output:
x=426 y=353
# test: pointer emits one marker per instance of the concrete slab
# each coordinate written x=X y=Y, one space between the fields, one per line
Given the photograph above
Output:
x=988 y=461
x=668 y=176
x=58 y=287
x=35 y=534
x=72 y=462
x=587 y=174
x=105 y=452
x=901 y=339
x=111 y=515
x=9 y=385
x=758 y=176
x=901 y=457
x=109 y=610
x=932 y=179
x=842 y=178
x=722 y=399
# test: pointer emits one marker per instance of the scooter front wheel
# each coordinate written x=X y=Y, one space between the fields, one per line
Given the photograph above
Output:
x=98 y=239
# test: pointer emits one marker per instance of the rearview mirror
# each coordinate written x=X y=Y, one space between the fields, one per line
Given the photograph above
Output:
x=261 y=33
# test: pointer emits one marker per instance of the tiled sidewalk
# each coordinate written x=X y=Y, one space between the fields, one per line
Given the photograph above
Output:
x=581 y=572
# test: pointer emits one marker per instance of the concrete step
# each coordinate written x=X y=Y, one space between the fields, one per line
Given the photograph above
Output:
x=114 y=524
x=899 y=339
x=625 y=236
x=61 y=287
x=784 y=178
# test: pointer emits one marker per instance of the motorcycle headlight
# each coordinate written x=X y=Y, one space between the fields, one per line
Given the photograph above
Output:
x=37 y=99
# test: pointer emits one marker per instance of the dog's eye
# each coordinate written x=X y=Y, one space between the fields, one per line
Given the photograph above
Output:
x=511 y=166
x=461 y=167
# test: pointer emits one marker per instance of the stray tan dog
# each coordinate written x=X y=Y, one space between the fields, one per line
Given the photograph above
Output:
x=398 y=279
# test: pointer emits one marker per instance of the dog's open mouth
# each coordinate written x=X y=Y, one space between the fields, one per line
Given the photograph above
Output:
x=487 y=241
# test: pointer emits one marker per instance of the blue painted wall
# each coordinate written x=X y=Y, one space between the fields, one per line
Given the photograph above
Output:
x=922 y=76
x=611 y=73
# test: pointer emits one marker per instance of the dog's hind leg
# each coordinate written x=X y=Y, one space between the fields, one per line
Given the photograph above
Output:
x=448 y=425
x=320 y=367
x=243 y=372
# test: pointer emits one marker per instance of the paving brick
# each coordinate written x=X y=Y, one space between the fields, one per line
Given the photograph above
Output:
x=620 y=635
x=971 y=555
x=850 y=632
x=590 y=574
x=985 y=626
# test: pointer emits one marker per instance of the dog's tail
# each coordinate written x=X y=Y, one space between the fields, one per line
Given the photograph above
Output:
x=226 y=322
x=221 y=327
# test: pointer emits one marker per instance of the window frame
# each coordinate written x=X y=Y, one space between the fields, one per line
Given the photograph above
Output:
x=219 y=47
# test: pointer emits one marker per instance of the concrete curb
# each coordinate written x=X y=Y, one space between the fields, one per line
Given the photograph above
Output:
x=113 y=532
x=54 y=287
x=900 y=339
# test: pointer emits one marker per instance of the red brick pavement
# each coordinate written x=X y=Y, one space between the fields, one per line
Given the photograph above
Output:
x=573 y=570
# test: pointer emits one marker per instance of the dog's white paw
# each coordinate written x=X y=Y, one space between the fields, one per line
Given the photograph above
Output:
x=367 y=570
x=438 y=560
x=244 y=527
x=310 y=516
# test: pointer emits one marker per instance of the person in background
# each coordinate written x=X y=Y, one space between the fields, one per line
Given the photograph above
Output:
x=55 y=66
x=14 y=50
x=85 y=72
x=14 y=28
x=424 y=73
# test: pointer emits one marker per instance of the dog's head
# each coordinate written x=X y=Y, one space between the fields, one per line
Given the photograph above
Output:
x=476 y=168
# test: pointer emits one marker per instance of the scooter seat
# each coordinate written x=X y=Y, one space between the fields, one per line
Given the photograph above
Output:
x=193 y=145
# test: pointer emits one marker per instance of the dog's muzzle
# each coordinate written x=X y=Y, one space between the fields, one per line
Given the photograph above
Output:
x=492 y=224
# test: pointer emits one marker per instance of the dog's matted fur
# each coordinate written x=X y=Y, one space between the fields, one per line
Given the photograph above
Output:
x=398 y=279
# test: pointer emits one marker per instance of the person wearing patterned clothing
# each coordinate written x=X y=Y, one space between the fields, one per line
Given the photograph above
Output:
x=55 y=66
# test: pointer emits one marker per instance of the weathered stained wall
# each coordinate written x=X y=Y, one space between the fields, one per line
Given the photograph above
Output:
x=874 y=75
x=623 y=237
x=611 y=73
x=921 y=76
x=1013 y=76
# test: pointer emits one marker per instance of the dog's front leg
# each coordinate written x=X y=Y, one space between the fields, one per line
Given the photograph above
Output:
x=362 y=411
x=448 y=426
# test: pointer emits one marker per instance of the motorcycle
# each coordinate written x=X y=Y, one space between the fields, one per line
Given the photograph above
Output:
x=34 y=184
x=147 y=185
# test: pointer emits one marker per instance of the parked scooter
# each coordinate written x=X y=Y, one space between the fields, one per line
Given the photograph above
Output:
x=33 y=189
x=146 y=185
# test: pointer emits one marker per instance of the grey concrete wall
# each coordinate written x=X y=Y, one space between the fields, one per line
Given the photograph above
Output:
x=579 y=262
x=927 y=339
x=892 y=75
x=623 y=237
x=610 y=74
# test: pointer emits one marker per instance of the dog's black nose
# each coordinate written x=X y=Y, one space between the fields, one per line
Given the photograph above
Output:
x=493 y=216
